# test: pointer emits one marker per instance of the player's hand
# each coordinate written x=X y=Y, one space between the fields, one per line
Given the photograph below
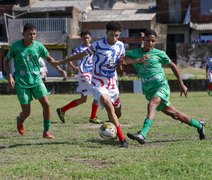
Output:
x=183 y=90
x=63 y=73
x=122 y=61
x=144 y=58
x=11 y=82
x=55 y=63
x=76 y=69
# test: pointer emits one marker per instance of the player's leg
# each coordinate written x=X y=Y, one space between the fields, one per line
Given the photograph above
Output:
x=74 y=103
x=94 y=110
x=61 y=111
x=25 y=97
x=84 y=90
x=106 y=102
x=184 y=118
x=46 y=118
x=40 y=92
x=142 y=134
x=21 y=118
x=117 y=106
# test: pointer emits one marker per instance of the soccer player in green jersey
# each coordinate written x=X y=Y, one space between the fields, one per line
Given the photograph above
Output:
x=148 y=62
x=28 y=82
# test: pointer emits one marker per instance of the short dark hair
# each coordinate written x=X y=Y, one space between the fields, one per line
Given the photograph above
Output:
x=150 y=32
x=114 y=26
x=85 y=32
x=29 y=26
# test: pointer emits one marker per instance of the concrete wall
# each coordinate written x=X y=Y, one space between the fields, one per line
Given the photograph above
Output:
x=194 y=55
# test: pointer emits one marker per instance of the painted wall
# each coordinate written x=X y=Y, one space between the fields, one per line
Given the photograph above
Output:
x=194 y=55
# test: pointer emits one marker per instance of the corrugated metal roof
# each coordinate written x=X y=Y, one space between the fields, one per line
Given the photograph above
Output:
x=202 y=26
x=118 y=15
x=82 y=5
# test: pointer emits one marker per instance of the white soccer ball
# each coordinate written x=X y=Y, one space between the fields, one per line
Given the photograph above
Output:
x=108 y=131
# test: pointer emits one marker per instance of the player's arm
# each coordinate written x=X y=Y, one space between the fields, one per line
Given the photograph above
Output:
x=71 y=58
x=51 y=60
x=75 y=68
x=176 y=72
x=128 y=60
x=8 y=69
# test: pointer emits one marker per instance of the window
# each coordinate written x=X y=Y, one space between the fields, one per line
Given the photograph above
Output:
x=206 y=7
x=174 y=11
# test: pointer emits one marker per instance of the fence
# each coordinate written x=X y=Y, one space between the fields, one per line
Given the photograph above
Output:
x=48 y=24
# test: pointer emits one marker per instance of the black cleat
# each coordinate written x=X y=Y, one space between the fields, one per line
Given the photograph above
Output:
x=138 y=137
x=123 y=144
x=201 y=131
x=61 y=115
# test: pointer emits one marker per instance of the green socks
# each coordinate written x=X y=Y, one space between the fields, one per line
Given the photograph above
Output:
x=147 y=124
x=46 y=125
x=195 y=123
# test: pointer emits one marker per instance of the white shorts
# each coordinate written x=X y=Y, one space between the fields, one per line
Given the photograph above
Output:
x=210 y=77
x=84 y=88
x=112 y=93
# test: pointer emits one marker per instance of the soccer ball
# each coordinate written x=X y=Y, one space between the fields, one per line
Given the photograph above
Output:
x=108 y=131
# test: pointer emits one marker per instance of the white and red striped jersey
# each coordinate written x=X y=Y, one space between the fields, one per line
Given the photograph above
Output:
x=105 y=59
x=85 y=65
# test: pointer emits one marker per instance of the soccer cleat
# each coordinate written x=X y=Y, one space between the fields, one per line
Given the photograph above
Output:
x=95 y=121
x=20 y=126
x=138 y=137
x=61 y=115
x=123 y=144
x=201 y=131
x=48 y=135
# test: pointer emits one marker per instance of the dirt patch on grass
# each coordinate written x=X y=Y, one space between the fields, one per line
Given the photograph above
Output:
x=96 y=163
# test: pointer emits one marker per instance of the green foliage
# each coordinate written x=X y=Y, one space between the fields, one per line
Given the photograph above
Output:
x=173 y=150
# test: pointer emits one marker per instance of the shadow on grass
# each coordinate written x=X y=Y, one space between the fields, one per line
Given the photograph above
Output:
x=166 y=141
x=98 y=143
x=71 y=142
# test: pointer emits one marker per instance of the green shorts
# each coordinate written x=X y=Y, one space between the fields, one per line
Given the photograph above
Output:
x=25 y=95
x=163 y=92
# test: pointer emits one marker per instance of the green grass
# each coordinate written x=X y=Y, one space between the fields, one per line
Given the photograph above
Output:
x=173 y=150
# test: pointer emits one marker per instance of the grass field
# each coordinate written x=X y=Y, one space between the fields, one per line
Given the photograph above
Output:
x=173 y=150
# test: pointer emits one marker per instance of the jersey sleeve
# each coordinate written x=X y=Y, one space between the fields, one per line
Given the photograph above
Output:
x=129 y=53
x=44 y=52
x=92 y=49
x=164 y=58
x=123 y=50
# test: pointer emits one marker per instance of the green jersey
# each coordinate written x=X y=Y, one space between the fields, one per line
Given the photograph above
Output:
x=151 y=71
x=26 y=62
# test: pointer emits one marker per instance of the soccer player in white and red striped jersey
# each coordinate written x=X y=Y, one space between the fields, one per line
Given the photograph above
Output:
x=106 y=56
x=84 y=68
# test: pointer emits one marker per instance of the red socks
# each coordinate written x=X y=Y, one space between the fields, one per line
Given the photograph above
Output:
x=120 y=133
x=69 y=106
x=94 y=110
